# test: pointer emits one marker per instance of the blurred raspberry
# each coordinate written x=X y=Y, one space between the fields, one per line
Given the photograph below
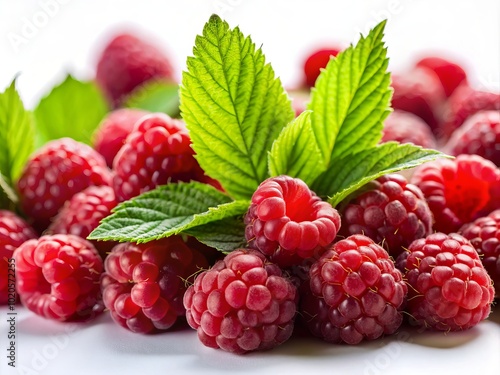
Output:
x=449 y=73
x=405 y=127
x=315 y=62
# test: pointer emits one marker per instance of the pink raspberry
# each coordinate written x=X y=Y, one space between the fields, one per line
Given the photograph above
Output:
x=449 y=289
x=243 y=303
x=405 y=127
x=449 y=73
x=317 y=61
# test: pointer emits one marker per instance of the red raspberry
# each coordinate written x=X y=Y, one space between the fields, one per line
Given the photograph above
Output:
x=317 y=61
x=419 y=92
x=55 y=173
x=287 y=222
x=355 y=293
x=83 y=213
x=392 y=213
x=484 y=235
x=126 y=63
x=58 y=276
x=144 y=284
x=479 y=135
x=405 y=127
x=449 y=289
x=242 y=304
x=449 y=73
x=113 y=130
x=14 y=231
x=157 y=152
x=458 y=191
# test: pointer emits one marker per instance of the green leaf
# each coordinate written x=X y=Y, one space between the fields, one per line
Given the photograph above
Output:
x=167 y=210
x=351 y=98
x=225 y=235
x=350 y=173
x=234 y=107
x=155 y=96
x=296 y=153
x=16 y=135
x=72 y=109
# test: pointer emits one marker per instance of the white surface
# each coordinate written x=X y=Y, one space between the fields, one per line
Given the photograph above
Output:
x=103 y=348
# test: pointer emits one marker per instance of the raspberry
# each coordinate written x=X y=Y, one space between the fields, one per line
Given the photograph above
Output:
x=14 y=231
x=405 y=127
x=144 y=284
x=242 y=304
x=287 y=222
x=82 y=213
x=419 y=92
x=54 y=174
x=58 y=277
x=458 y=191
x=449 y=73
x=484 y=235
x=113 y=130
x=157 y=152
x=317 y=61
x=355 y=293
x=392 y=213
x=449 y=289
x=126 y=63
x=479 y=135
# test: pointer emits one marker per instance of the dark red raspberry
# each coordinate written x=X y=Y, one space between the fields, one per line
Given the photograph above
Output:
x=58 y=277
x=288 y=223
x=242 y=304
x=113 y=130
x=144 y=284
x=449 y=289
x=449 y=73
x=126 y=63
x=355 y=293
x=157 y=152
x=484 y=235
x=405 y=127
x=418 y=91
x=82 y=214
x=14 y=231
x=317 y=61
x=465 y=102
x=479 y=135
x=458 y=191
x=392 y=213
x=54 y=174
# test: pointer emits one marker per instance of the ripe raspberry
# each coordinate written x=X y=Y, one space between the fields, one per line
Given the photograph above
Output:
x=242 y=304
x=144 y=284
x=449 y=73
x=449 y=289
x=317 y=61
x=287 y=222
x=14 y=231
x=113 y=130
x=157 y=152
x=484 y=235
x=458 y=191
x=58 y=277
x=126 y=63
x=479 y=135
x=405 y=127
x=419 y=92
x=54 y=174
x=355 y=293
x=82 y=213
x=392 y=213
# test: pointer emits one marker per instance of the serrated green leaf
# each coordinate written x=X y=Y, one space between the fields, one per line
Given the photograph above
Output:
x=167 y=210
x=155 y=96
x=72 y=109
x=295 y=152
x=355 y=170
x=234 y=107
x=225 y=235
x=351 y=98
x=16 y=135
